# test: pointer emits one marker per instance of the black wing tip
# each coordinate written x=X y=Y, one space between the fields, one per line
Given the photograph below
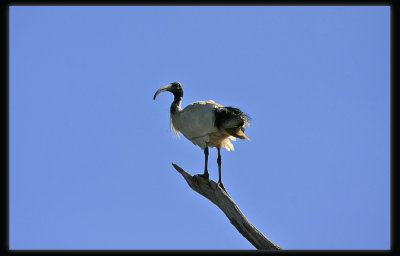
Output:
x=246 y=117
x=224 y=114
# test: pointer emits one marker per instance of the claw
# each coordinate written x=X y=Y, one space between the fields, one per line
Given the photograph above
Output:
x=222 y=186
x=206 y=175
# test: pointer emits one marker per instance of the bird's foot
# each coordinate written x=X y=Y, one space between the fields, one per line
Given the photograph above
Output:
x=206 y=175
x=221 y=185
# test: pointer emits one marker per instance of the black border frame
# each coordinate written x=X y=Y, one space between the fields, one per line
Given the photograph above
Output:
x=393 y=80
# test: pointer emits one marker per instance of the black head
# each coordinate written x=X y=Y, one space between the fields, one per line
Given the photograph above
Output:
x=175 y=88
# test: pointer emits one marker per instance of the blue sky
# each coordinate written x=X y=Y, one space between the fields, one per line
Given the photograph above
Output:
x=91 y=152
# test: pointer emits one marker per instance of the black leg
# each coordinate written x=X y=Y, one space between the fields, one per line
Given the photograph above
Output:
x=206 y=174
x=219 y=170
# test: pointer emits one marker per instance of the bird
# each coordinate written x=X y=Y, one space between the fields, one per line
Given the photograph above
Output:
x=206 y=124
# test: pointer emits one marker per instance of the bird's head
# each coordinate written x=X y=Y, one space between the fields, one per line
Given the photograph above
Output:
x=175 y=88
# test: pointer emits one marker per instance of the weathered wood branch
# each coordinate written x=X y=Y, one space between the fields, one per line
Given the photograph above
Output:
x=210 y=190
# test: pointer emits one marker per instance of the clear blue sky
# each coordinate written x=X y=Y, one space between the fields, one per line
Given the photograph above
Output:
x=91 y=152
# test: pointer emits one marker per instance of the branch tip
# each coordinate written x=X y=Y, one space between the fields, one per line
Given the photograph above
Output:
x=210 y=190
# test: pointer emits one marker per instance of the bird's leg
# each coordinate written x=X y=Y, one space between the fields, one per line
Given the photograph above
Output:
x=206 y=174
x=219 y=169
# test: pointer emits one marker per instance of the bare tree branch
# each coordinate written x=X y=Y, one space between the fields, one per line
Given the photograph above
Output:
x=220 y=198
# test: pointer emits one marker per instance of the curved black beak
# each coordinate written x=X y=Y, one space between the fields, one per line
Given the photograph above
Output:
x=162 y=89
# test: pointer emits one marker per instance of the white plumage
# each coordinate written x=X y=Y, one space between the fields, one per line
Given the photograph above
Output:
x=206 y=124
x=196 y=123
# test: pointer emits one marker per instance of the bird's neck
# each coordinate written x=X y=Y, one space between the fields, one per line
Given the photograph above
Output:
x=176 y=105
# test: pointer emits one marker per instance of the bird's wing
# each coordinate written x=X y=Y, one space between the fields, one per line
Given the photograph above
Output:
x=197 y=119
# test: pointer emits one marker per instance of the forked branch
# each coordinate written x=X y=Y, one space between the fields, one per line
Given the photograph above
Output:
x=210 y=190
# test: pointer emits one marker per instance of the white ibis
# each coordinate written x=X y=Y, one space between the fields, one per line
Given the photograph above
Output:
x=206 y=124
